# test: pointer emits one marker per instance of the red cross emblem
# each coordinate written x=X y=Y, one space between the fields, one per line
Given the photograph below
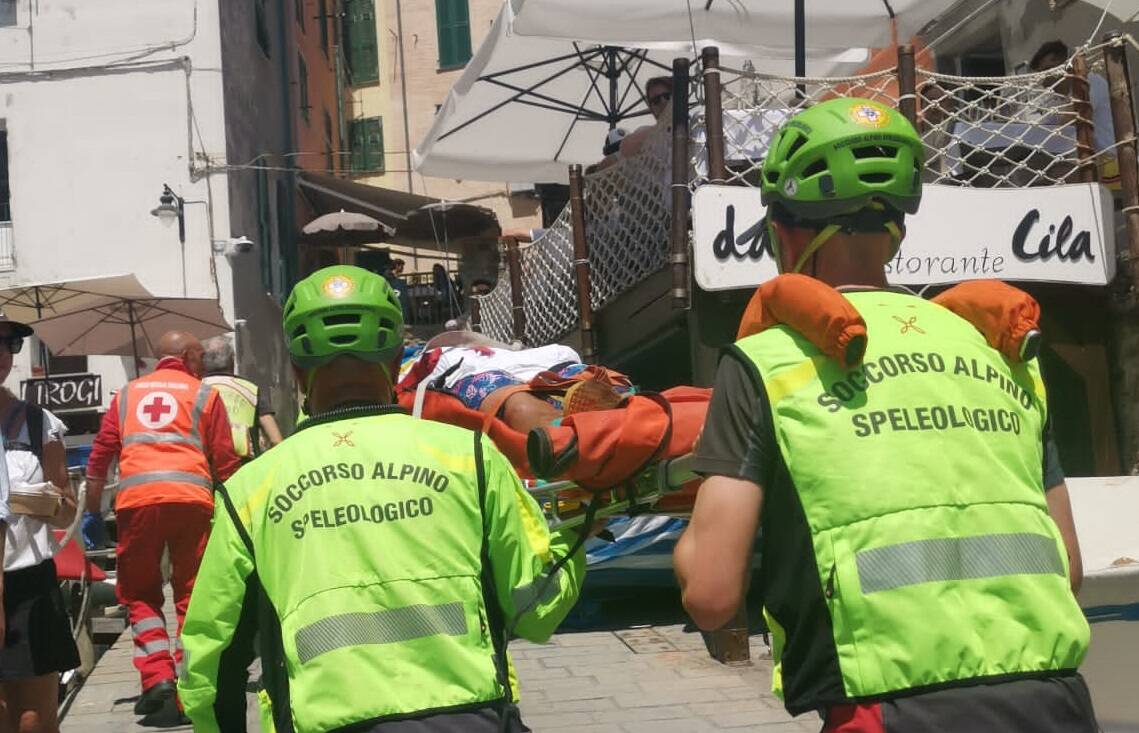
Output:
x=157 y=410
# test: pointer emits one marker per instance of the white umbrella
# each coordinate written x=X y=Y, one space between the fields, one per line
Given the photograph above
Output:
x=830 y=24
x=129 y=326
x=1125 y=10
x=528 y=106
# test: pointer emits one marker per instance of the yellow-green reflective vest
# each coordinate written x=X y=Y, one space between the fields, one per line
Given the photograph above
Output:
x=391 y=555
x=913 y=546
x=240 y=399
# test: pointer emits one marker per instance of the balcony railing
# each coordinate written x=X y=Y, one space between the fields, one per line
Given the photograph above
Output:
x=7 y=247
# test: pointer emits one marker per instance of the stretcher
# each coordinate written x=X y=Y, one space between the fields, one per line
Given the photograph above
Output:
x=667 y=487
x=636 y=457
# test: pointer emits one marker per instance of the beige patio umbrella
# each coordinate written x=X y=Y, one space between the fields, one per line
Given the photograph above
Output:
x=27 y=303
x=129 y=325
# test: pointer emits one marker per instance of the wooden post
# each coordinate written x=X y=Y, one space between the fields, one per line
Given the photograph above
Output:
x=907 y=84
x=1122 y=116
x=1082 y=106
x=678 y=235
x=514 y=264
x=581 y=263
x=713 y=115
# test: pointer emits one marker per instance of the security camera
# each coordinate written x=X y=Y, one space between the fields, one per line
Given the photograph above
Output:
x=232 y=247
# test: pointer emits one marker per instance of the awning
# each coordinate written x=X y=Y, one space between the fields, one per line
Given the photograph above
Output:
x=411 y=216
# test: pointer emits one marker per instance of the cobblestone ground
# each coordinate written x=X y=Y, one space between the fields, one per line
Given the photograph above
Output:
x=656 y=679
x=650 y=679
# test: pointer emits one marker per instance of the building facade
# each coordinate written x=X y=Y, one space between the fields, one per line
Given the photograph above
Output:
x=105 y=103
x=404 y=56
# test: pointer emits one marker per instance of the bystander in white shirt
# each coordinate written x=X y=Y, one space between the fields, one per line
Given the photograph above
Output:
x=29 y=540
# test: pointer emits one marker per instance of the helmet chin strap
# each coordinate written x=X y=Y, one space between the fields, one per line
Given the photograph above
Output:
x=824 y=235
x=310 y=376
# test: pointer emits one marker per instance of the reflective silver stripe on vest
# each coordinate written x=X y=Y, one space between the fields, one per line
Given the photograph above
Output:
x=204 y=391
x=381 y=627
x=181 y=477
x=152 y=647
x=152 y=438
x=526 y=598
x=964 y=558
x=146 y=624
x=123 y=406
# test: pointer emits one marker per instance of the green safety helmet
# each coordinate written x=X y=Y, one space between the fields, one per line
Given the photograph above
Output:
x=844 y=164
x=343 y=310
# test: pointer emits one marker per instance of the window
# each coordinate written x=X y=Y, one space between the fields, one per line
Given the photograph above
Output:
x=7 y=12
x=5 y=192
x=299 y=6
x=329 y=163
x=261 y=26
x=302 y=86
x=367 y=145
x=264 y=231
x=322 y=19
x=7 y=249
x=453 y=25
x=64 y=364
x=360 y=38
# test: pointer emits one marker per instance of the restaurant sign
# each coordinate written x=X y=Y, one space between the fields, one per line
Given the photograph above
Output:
x=65 y=392
x=1061 y=234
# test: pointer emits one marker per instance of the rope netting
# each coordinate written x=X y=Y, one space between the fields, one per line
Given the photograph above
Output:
x=983 y=132
x=756 y=105
x=627 y=215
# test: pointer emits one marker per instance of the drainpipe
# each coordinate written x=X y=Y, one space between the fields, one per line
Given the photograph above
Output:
x=406 y=124
x=288 y=240
x=340 y=123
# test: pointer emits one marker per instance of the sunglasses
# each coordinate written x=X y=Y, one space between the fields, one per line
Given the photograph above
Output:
x=658 y=98
x=12 y=344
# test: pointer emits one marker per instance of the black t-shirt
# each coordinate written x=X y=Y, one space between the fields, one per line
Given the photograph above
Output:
x=739 y=441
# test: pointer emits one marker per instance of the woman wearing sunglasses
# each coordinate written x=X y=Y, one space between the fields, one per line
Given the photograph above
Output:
x=37 y=642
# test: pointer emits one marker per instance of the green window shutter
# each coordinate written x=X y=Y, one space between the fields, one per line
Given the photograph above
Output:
x=360 y=32
x=453 y=28
x=367 y=145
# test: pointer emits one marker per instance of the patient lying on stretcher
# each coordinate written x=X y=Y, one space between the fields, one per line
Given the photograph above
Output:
x=526 y=388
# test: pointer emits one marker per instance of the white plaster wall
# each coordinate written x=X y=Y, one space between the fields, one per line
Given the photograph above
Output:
x=104 y=101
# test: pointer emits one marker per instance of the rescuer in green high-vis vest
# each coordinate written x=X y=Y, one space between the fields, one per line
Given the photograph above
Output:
x=383 y=561
x=918 y=552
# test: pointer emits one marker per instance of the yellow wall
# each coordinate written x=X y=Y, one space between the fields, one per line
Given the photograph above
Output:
x=427 y=87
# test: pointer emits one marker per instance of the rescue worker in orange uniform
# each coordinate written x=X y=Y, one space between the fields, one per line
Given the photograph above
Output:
x=173 y=440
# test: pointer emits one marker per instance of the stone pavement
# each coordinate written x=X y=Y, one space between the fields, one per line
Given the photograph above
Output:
x=105 y=703
x=656 y=679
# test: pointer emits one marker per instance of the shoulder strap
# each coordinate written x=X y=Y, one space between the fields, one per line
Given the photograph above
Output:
x=490 y=595
x=36 y=429
x=14 y=420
